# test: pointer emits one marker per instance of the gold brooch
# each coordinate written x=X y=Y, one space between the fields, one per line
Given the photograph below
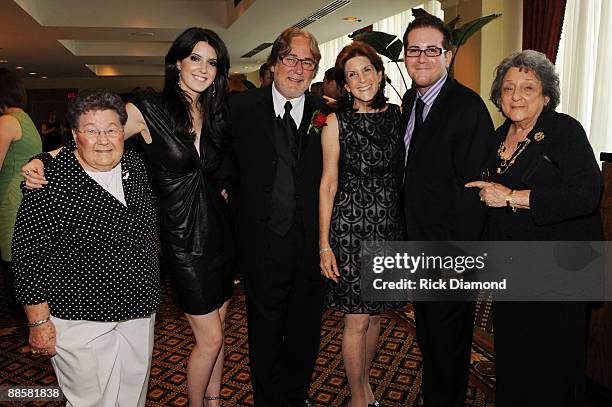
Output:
x=538 y=136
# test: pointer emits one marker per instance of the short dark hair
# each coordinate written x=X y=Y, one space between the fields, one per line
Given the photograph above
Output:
x=95 y=99
x=357 y=49
x=262 y=69
x=535 y=62
x=12 y=92
x=282 y=46
x=434 y=22
x=330 y=75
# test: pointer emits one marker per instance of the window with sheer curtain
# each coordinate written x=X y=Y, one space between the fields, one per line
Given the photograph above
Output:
x=395 y=25
x=583 y=62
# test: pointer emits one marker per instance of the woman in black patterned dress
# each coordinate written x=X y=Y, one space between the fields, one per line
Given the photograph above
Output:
x=363 y=157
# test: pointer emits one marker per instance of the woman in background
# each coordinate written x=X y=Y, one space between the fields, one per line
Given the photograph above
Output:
x=19 y=140
x=51 y=132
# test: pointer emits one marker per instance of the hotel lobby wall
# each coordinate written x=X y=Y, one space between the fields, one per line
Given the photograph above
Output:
x=477 y=59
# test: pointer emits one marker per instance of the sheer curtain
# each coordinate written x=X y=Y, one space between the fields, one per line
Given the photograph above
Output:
x=395 y=25
x=583 y=62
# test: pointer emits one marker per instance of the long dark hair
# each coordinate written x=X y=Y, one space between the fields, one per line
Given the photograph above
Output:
x=212 y=100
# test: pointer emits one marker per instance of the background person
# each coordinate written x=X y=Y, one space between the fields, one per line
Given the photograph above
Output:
x=317 y=89
x=331 y=90
x=545 y=186
x=362 y=174
x=265 y=75
x=51 y=132
x=19 y=140
x=85 y=261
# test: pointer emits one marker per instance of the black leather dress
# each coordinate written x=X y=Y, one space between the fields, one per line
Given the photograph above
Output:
x=195 y=225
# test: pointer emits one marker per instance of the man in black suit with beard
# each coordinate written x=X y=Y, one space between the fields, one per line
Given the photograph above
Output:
x=279 y=159
x=448 y=133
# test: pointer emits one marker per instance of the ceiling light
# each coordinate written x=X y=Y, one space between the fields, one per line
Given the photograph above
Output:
x=32 y=73
x=19 y=67
x=142 y=34
x=3 y=61
x=43 y=77
x=352 y=19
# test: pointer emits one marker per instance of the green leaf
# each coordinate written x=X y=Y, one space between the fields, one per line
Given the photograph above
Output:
x=463 y=33
x=385 y=44
x=452 y=23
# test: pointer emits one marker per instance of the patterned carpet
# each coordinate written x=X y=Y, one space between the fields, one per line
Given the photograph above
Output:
x=395 y=374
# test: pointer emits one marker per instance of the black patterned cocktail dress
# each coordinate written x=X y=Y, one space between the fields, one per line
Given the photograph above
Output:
x=367 y=203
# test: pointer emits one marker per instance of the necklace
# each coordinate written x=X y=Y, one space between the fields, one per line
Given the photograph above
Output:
x=504 y=164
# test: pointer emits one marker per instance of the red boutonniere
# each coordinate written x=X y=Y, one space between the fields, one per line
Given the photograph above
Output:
x=318 y=120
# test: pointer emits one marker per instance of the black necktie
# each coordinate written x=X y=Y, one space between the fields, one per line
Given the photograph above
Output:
x=418 y=123
x=291 y=128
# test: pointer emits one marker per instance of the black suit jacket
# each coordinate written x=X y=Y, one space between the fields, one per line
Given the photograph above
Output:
x=252 y=115
x=565 y=182
x=451 y=150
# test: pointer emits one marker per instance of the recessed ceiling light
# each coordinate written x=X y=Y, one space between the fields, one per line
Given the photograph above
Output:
x=43 y=77
x=32 y=73
x=142 y=34
x=3 y=61
x=19 y=67
x=352 y=19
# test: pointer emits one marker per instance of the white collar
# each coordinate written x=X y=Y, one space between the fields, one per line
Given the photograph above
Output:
x=297 y=105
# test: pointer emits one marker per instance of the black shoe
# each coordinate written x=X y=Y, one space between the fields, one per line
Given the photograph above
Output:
x=302 y=403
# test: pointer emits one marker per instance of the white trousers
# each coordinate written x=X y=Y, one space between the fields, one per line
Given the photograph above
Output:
x=104 y=363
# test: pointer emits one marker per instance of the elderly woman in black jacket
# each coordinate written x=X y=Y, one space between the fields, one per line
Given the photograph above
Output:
x=85 y=261
x=544 y=185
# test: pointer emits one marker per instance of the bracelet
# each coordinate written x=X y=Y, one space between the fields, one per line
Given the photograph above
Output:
x=38 y=323
x=510 y=201
x=325 y=249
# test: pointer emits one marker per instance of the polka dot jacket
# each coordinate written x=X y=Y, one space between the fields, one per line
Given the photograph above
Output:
x=84 y=252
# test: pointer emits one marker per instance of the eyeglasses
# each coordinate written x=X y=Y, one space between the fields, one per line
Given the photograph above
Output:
x=429 y=52
x=291 y=61
x=110 y=133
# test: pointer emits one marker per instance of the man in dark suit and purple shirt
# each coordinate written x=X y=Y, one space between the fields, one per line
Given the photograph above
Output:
x=279 y=159
x=448 y=132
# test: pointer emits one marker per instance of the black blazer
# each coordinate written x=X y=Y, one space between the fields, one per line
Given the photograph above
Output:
x=79 y=249
x=451 y=150
x=560 y=169
x=252 y=115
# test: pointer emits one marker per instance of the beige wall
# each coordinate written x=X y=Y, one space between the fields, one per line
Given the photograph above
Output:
x=477 y=59
x=467 y=63
x=500 y=38
x=254 y=77
x=118 y=84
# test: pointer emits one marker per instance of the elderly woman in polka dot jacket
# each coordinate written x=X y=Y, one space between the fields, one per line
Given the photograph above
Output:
x=85 y=261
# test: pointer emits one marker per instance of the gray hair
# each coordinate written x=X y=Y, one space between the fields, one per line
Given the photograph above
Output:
x=535 y=62
x=282 y=46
